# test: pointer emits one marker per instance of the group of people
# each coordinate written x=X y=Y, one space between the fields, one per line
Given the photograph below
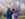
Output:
x=9 y=13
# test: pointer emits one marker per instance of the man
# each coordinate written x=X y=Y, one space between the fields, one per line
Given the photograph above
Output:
x=9 y=13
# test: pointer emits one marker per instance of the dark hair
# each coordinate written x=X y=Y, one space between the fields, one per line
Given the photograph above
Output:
x=8 y=9
x=13 y=9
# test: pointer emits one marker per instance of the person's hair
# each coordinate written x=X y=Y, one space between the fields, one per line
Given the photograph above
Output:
x=8 y=8
x=13 y=9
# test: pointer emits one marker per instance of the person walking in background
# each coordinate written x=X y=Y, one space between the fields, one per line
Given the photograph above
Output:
x=9 y=13
x=16 y=13
x=13 y=14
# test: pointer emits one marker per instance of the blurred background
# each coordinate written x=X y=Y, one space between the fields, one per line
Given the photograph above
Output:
x=5 y=4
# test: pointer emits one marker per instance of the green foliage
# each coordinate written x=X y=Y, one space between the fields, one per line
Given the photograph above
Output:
x=20 y=14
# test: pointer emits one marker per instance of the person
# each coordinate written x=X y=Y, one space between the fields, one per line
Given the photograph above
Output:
x=16 y=13
x=9 y=13
x=13 y=14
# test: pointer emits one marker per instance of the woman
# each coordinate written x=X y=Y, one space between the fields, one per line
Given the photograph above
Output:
x=16 y=13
